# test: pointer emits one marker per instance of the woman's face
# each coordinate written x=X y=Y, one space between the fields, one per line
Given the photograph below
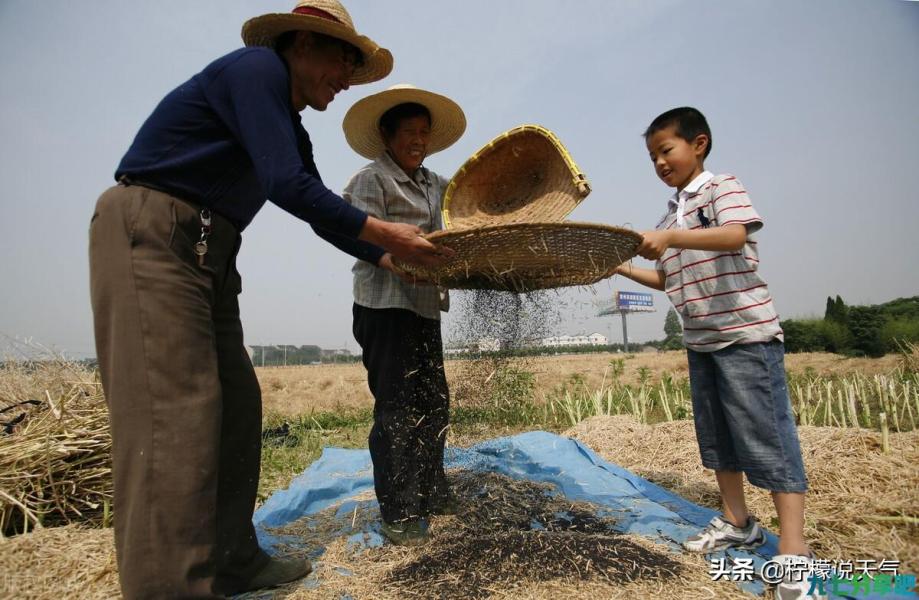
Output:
x=408 y=145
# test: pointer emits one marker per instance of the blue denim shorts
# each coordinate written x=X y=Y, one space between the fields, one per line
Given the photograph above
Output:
x=743 y=415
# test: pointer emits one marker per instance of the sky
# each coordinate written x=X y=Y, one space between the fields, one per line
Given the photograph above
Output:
x=813 y=106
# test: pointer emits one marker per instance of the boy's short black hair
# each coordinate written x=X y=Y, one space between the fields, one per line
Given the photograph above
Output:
x=687 y=121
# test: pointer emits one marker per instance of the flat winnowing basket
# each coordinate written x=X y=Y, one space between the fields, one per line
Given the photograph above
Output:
x=522 y=257
x=524 y=175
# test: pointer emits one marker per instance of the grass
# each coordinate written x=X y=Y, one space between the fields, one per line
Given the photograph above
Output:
x=291 y=445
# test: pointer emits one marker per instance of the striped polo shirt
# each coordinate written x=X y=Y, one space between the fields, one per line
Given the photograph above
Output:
x=720 y=295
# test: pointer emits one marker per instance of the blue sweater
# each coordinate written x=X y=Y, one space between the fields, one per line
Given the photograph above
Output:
x=229 y=138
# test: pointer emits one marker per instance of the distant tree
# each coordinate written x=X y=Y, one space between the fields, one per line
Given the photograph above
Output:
x=836 y=310
x=834 y=336
x=865 y=323
x=829 y=313
x=673 y=331
x=803 y=335
x=842 y=311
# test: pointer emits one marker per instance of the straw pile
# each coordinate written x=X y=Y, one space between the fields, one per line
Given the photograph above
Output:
x=862 y=504
x=55 y=447
x=59 y=562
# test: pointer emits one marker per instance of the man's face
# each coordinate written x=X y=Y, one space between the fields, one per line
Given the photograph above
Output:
x=318 y=72
x=409 y=144
x=676 y=161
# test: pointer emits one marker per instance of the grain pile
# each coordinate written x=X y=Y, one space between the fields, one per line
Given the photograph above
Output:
x=862 y=504
x=510 y=538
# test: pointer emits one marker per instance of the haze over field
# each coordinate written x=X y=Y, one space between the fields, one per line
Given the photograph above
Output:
x=812 y=104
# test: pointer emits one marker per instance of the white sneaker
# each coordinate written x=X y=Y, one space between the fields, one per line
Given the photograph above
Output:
x=796 y=578
x=721 y=535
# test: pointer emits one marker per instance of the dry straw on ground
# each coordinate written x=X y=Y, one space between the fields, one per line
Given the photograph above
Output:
x=862 y=504
x=59 y=562
x=55 y=450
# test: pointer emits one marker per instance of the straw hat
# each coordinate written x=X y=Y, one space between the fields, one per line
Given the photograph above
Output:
x=362 y=123
x=327 y=17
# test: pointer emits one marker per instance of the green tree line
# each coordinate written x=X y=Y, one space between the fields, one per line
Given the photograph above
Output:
x=856 y=330
x=294 y=355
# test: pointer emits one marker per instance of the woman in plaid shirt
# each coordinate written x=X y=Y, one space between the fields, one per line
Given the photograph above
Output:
x=397 y=320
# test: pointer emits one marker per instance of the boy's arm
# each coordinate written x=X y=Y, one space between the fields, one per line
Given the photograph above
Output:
x=726 y=237
x=649 y=277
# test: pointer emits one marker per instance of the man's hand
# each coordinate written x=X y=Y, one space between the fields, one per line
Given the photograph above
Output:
x=654 y=244
x=405 y=242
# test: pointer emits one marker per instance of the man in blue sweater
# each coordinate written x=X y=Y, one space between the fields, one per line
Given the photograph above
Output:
x=184 y=401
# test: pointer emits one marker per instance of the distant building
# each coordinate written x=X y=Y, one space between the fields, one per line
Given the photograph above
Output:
x=490 y=345
x=594 y=339
x=332 y=353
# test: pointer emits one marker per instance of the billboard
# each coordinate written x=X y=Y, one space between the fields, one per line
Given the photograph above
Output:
x=635 y=301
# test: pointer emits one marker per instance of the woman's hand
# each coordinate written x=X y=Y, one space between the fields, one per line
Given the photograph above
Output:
x=387 y=263
x=405 y=242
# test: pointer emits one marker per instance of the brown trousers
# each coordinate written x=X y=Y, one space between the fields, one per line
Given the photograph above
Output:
x=184 y=401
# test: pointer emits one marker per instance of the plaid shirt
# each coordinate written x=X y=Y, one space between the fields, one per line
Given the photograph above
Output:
x=382 y=189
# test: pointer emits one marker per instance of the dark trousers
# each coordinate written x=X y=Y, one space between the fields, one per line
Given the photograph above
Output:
x=184 y=402
x=403 y=355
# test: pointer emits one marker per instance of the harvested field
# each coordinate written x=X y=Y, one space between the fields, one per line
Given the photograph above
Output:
x=862 y=504
x=294 y=391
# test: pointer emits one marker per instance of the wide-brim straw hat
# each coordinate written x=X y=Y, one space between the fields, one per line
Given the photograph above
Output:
x=523 y=257
x=524 y=175
x=327 y=17
x=362 y=122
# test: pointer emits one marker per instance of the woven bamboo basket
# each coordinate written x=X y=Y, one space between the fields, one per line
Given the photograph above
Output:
x=523 y=257
x=524 y=175
x=504 y=214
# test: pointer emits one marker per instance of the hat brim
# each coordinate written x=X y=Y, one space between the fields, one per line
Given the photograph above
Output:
x=265 y=29
x=362 y=122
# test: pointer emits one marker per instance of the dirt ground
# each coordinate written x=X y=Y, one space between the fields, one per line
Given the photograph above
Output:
x=293 y=391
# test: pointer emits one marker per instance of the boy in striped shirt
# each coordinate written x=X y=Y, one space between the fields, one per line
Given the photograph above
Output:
x=707 y=263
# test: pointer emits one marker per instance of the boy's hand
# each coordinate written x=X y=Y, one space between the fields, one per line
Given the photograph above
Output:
x=654 y=244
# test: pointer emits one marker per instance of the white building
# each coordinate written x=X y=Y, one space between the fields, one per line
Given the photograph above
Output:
x=594 y=339
x=489 y=345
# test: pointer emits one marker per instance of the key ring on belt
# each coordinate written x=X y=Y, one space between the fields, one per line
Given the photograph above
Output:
x=201 y=246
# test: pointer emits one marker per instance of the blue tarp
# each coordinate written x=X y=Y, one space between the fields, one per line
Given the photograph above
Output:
x=638 y=506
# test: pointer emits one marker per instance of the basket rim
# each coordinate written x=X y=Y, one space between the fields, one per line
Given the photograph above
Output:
x=447 y=233
x=579 y=179
x=595 y=241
